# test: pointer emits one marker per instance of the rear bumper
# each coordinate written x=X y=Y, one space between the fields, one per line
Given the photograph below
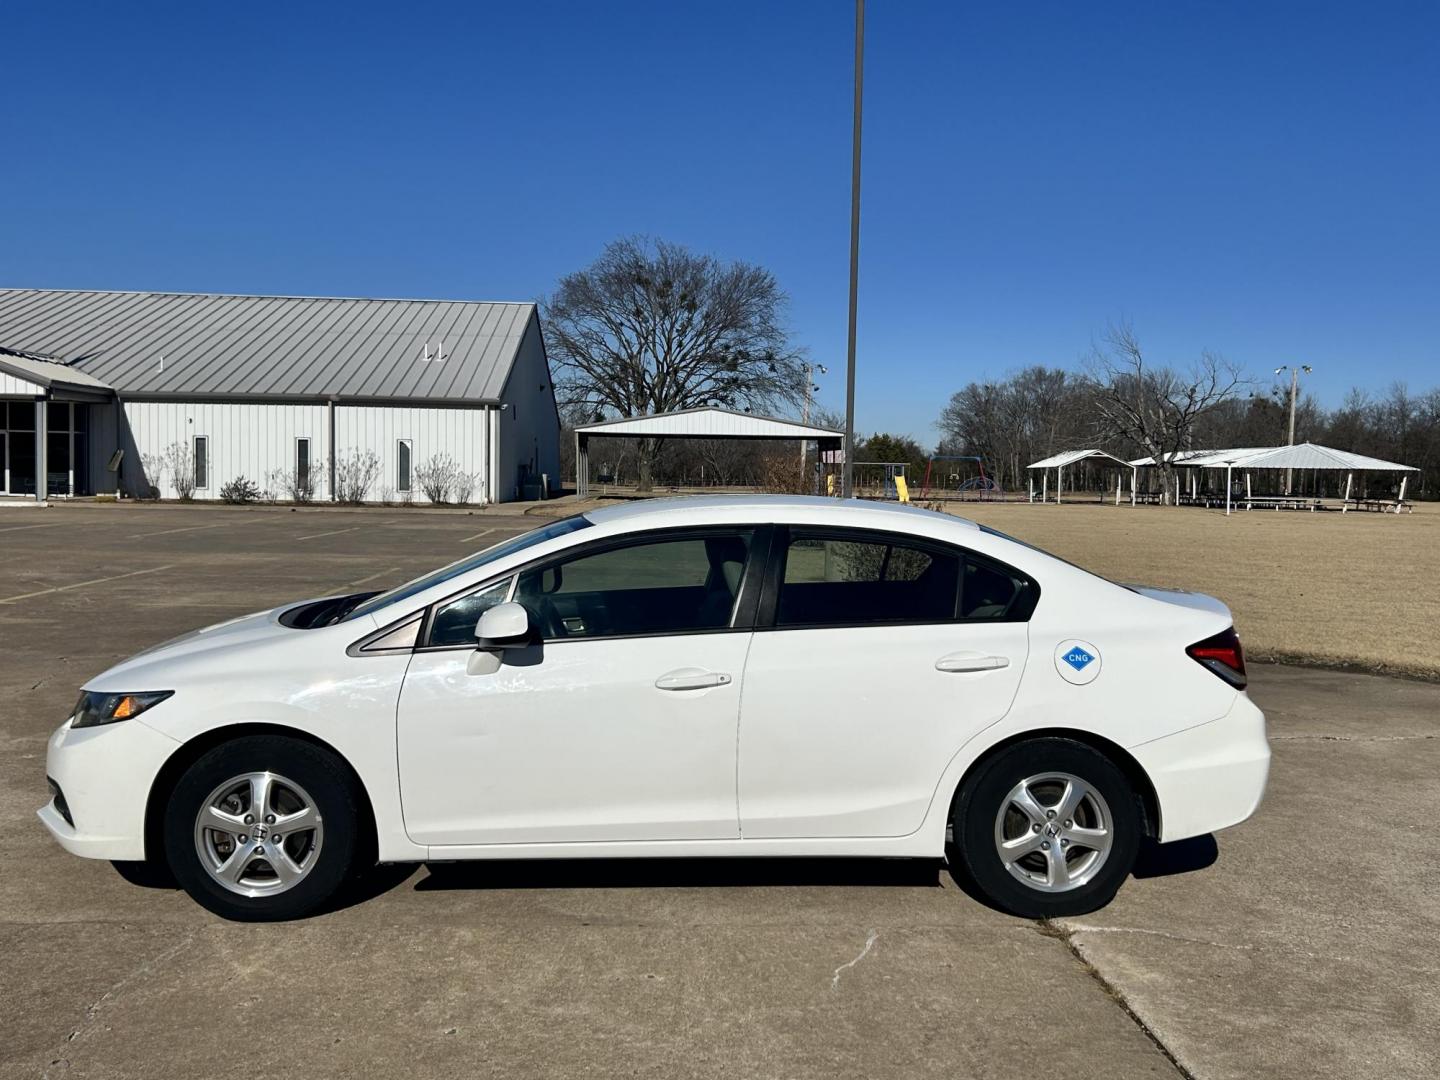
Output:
x=105 y=774
x=1209 y=777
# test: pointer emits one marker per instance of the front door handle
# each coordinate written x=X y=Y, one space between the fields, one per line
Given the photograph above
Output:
x=971 y=661
x=691 y=679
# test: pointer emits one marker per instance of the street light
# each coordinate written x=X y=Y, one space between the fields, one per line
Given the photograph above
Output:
x=1294 y=387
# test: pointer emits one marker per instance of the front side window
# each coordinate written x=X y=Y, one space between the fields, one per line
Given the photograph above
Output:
x=202 y=461
x=682 y=584
x=455 y=620
x=833 y=581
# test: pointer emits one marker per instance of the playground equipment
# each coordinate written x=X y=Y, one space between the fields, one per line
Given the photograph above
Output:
x=982 y=487
x=887 y=476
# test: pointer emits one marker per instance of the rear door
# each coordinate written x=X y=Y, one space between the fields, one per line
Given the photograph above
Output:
x=875 y=657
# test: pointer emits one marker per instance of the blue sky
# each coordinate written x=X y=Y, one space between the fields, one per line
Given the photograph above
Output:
x=1258 y=179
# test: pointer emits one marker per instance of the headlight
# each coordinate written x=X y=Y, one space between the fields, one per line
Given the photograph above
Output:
x=92 y=710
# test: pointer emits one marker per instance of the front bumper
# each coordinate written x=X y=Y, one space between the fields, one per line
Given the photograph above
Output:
x=1209 y=777
x=105 y=774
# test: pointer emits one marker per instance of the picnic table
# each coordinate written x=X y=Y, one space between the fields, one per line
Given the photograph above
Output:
x=1383 y=506
x=1280 y=502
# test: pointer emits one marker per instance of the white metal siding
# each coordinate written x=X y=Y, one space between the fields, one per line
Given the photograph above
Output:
x=9 y=384
x=530 y=426
x=462 y=434
x=254 y=441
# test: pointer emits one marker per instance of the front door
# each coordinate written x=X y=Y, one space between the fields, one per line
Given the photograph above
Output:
x=620 y=726
x=885 y=656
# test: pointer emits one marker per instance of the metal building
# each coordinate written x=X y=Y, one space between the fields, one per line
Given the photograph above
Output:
x=141 y=392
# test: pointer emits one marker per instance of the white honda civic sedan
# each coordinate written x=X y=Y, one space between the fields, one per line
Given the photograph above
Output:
x=753 y=676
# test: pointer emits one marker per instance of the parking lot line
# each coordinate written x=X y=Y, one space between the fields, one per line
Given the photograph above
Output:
x=46 y=525
x=183 y=528
x=332 y=532
x=482 y=532
x=82 y=584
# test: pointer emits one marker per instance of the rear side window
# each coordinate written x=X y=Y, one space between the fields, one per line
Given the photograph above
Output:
x=832 y=581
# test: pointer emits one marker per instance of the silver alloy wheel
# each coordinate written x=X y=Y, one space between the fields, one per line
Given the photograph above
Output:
x=1054 y=832
x=258 y=834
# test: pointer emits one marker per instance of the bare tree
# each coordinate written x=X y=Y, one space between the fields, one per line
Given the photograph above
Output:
x=1152 y=407
x=178 y=459
x=652 y=327
x=439 y=477
x=355 y=473
x=293 y=484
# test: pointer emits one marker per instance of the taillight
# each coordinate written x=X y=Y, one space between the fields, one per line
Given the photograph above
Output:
x=1222 y=655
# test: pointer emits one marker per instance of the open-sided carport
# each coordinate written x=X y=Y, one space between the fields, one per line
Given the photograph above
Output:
x=701 y=423
x=1058 y=462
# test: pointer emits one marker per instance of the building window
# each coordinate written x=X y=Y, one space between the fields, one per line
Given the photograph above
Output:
x=302 y=464
x=202 y=461
x=402 y=462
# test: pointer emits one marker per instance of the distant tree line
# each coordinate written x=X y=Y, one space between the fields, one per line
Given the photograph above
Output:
x=1039 y=411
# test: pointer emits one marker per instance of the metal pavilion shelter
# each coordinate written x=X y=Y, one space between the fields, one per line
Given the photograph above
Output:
x=700 y=423
x=1058 y=462
x=1300 y=456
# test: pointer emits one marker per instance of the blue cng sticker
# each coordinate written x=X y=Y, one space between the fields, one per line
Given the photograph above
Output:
x=1077 y=661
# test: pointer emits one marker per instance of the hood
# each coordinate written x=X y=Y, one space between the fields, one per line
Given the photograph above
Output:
x=1181 y=598
x=256 y=628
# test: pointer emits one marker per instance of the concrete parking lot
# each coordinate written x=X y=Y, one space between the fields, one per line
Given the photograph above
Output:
x=1300 y=944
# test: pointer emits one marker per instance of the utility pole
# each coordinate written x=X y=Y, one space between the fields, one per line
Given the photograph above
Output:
x=1294 y=390
x=847 y=487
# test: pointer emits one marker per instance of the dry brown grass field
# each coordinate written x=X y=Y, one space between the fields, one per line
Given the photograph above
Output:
x=1358 y=589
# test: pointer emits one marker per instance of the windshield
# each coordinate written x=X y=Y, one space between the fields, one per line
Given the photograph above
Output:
x=470 y=562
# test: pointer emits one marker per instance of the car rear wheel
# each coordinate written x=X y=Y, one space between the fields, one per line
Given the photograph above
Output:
x=1046 y=828
x=262 y=828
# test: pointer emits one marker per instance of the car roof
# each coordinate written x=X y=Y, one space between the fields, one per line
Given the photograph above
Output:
x=776 y=508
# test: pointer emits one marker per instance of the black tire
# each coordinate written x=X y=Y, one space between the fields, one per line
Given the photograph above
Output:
x=325 y=780
x=986 y=790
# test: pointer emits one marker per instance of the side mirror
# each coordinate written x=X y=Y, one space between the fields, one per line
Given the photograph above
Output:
x=504 y=626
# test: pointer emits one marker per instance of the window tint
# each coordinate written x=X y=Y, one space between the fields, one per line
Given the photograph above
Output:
x=992 y=591
x=455 y=621
x=830 y=581
x=664 y=586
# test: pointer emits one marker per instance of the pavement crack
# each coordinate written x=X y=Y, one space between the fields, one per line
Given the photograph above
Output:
x=1350 y=738
x=1064 y=935
x=869 y=944
x=1084 y=928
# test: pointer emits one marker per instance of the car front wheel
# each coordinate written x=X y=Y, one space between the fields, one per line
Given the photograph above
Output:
x=262 y=828
x=1047 y=828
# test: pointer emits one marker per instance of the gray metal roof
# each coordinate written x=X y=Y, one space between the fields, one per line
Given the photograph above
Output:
x=271 y=346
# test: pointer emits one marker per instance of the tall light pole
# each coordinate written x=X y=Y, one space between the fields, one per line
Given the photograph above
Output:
x=1294 y=389
x=847 y=485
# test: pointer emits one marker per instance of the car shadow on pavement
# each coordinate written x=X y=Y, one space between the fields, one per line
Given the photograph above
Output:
x=680 y=873
x=1179 y=857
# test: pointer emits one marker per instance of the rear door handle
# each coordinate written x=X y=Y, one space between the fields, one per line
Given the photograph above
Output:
x=971 y=661
x=691 y=679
